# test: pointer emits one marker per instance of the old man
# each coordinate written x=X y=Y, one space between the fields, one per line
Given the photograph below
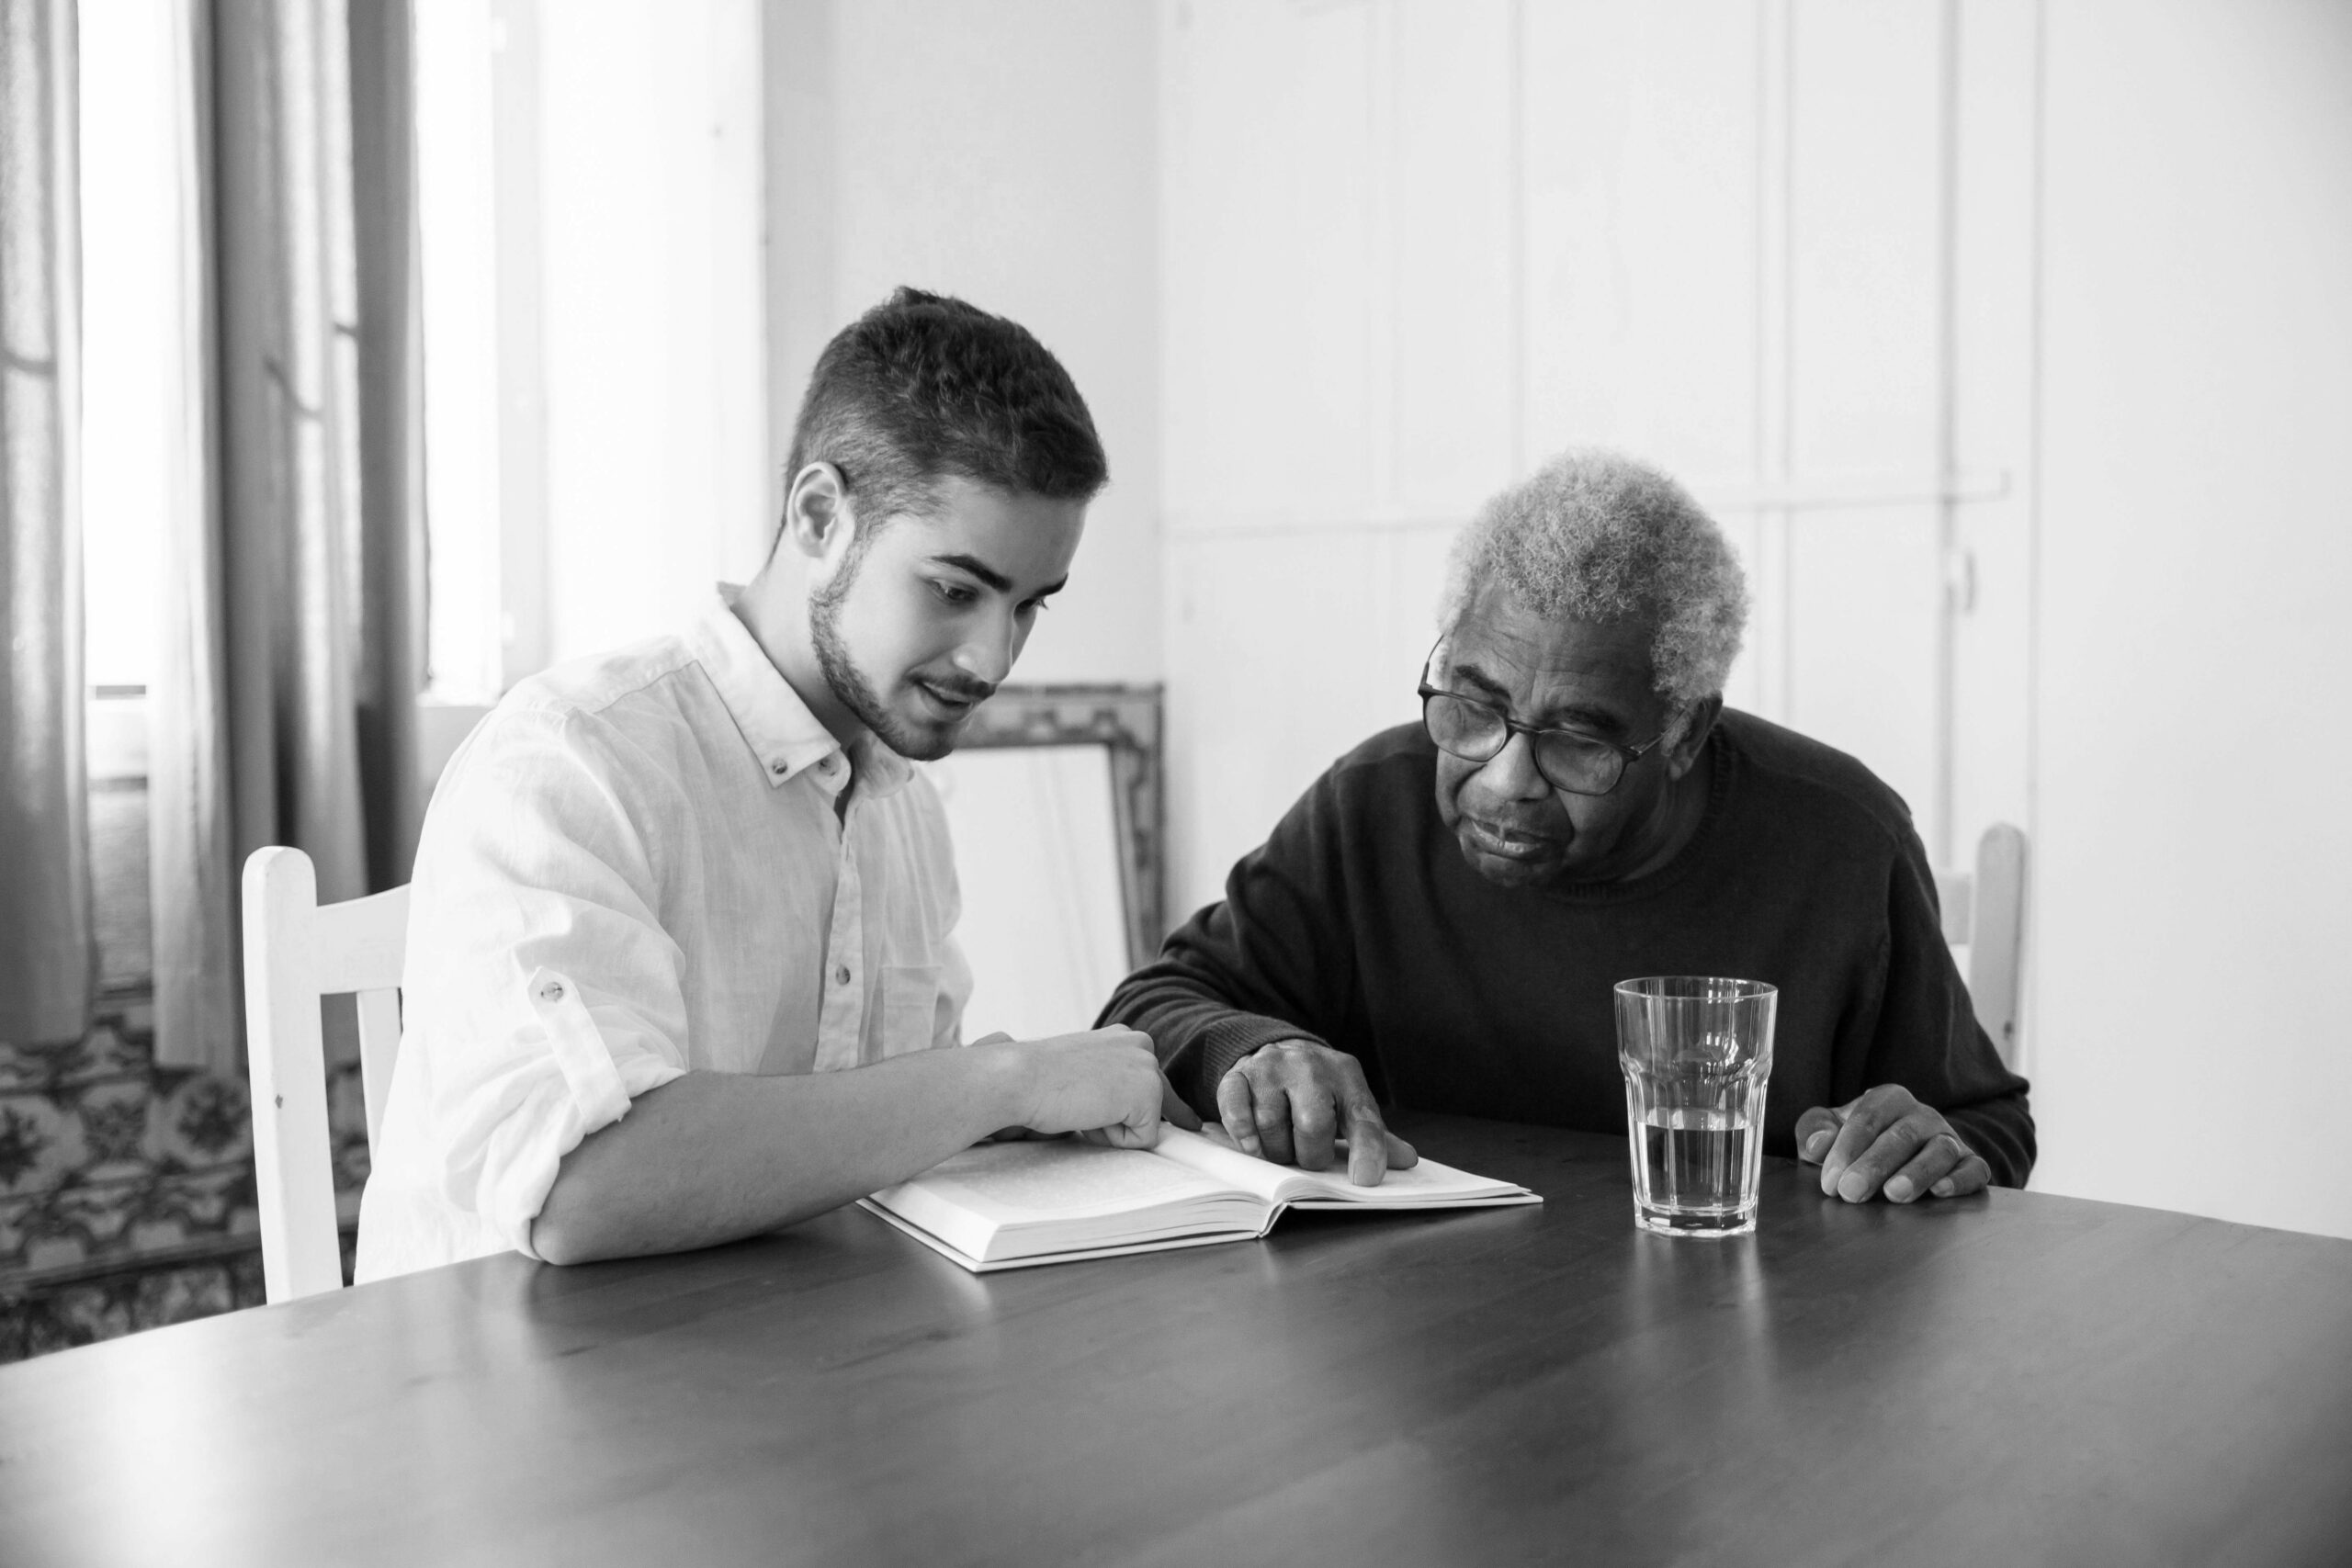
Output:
x=1439 y=921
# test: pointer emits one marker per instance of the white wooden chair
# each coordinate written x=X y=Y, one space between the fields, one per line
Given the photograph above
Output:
x=1983 y=910
x=296 y=951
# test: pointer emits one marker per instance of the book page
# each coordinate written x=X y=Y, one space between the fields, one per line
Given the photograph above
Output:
x=1039 y=1179
x=1211 y=1151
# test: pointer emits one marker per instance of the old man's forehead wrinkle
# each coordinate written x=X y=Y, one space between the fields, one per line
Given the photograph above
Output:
x=1471 y=674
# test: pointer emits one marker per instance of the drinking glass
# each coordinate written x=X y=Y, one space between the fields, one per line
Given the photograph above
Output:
x=1697 y=1054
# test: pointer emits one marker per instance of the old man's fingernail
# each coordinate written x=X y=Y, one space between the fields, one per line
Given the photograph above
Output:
x=1899 y=1189
x=1942 y=1189
x=1817 y=1143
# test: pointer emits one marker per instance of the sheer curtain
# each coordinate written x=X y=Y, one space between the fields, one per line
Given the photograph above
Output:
x=284 y=710
x=46 y=963
x=192 y=880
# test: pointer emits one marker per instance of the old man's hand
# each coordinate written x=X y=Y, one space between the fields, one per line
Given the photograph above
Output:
x=1887 y=1141
x=1289 y=1102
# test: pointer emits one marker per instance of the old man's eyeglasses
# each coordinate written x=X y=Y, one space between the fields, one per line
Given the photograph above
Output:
x=1477 y=731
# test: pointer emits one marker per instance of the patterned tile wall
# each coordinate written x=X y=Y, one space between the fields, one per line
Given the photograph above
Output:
x=102 y=1154
x=109 y=1163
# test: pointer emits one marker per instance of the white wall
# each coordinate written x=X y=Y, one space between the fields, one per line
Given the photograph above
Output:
x=651 y=310
x=1006 y=154
x=2196 y=561
x=1414 y=248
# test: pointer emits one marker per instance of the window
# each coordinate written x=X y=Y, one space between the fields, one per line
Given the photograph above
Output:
x=136 y=470
x=457 y=234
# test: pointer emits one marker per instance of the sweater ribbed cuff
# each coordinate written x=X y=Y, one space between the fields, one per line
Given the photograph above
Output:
x=1230 y=1038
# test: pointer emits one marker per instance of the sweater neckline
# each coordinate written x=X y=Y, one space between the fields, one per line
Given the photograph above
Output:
x=1720 y=769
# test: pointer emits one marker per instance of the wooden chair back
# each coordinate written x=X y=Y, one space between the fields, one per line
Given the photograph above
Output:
x=297 y=951
x=1983 y=910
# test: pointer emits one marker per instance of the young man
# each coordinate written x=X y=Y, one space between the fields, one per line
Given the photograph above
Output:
x=680 y=944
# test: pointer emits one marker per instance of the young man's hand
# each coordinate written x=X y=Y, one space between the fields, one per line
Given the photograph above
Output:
x=1103 y=1083
x=1171 y=1105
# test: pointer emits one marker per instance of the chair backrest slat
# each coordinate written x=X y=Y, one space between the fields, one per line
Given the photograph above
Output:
x=1984 y=911
x=379 y=1037
x=357 y=946
x=296 y=951
x=1996 y=941
x=1955 y=898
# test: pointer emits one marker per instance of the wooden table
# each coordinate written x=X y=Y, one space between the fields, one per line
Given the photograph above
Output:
x=2016 y=1379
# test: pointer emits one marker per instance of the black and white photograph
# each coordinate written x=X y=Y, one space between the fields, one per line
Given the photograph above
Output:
x=1171 y=783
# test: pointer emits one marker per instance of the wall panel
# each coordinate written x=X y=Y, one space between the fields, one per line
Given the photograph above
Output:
x=1995 y=79
x=1641 y=234
x=1266 y=214
x=1275 y=634
x=1450 y=214
x=1862 y=602
x=1865 y=267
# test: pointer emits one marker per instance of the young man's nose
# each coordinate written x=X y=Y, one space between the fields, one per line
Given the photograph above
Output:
x=987 y=654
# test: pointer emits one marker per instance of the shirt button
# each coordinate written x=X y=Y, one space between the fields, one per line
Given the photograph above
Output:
x=553 y=992
x=778 y=768
x=840 y=974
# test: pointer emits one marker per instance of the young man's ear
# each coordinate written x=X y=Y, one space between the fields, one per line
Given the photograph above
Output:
x=818 y=519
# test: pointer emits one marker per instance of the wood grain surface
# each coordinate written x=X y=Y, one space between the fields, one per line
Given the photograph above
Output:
x=2011 y=1378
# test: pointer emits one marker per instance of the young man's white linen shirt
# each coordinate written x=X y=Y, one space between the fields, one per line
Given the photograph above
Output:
x=634 y=868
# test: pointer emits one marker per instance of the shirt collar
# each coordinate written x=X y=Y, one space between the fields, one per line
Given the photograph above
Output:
x=774 y=723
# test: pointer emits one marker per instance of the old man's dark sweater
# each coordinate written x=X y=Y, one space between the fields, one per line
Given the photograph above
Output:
x=1359 y=923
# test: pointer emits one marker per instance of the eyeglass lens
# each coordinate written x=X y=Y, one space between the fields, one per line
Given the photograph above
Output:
x=1475 y=732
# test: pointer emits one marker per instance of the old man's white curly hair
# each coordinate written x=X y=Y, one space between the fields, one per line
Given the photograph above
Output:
x=1597 y=536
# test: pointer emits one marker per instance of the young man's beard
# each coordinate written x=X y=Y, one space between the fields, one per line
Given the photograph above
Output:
x=850 y=686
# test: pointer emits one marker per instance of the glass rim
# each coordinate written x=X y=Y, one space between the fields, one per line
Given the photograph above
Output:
x=1715 y=989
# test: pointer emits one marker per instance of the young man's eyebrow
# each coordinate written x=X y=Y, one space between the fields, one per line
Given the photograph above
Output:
x=979 y=568
x=995 y=578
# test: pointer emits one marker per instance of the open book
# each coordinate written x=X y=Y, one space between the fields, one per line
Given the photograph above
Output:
x=1054 y=1200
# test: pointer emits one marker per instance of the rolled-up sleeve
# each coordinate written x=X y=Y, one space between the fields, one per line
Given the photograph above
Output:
x=542 y=993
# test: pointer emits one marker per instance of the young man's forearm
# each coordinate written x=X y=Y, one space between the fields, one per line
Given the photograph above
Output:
x=716 y=1156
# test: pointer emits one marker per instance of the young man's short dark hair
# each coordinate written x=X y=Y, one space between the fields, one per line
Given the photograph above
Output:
x=923 y=386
